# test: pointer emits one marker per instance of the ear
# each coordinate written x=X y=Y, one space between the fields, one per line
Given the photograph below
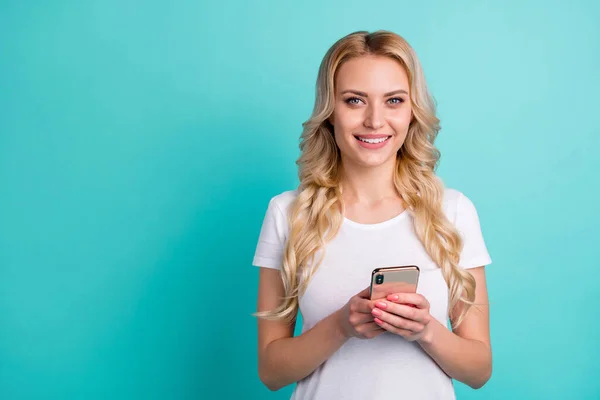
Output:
x=331 y=119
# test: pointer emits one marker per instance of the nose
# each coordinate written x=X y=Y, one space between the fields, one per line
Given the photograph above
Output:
x=373 y=117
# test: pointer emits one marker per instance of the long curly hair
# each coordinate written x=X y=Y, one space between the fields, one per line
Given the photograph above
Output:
x=316 y=214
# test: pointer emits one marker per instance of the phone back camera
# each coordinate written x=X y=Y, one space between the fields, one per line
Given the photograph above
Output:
x=379 y=279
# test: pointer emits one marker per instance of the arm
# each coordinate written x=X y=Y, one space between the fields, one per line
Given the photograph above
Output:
x=282 y=358
x=465 y=353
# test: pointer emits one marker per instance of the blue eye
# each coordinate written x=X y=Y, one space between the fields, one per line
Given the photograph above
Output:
x=400 y=100
x=350 y=100
x=356 y=100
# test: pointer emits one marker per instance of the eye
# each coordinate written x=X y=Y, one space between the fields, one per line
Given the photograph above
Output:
x=400 y=100
x=351 y=100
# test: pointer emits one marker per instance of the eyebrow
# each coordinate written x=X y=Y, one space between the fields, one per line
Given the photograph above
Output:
x=385 y=95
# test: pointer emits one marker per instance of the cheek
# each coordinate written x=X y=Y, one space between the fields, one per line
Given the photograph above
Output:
x=342 y=138
x=401 y=121
x=346 y=120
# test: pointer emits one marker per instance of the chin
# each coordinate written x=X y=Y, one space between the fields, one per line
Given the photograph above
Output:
x=375 y=160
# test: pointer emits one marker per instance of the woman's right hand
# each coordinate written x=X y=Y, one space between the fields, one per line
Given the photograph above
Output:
x=355 y=318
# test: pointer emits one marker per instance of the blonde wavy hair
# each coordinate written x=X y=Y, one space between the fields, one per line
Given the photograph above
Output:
x=316 y=214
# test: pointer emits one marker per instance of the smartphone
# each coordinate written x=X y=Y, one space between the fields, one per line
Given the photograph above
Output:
x=388 y=280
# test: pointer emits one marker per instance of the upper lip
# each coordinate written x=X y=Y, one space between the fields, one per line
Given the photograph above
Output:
x=372 y=136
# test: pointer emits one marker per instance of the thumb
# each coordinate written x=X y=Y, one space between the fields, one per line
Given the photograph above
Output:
x=365 y=293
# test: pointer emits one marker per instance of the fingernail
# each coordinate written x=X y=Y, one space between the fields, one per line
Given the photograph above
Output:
x=394 y=297
x=381 y=304
x=376 y=312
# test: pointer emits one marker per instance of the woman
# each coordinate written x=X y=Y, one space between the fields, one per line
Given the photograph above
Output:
x=369 y=197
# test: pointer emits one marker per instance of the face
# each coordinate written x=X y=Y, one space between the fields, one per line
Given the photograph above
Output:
x=372 y=110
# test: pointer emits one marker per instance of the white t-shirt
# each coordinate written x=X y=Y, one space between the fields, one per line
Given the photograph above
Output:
x=387 y=366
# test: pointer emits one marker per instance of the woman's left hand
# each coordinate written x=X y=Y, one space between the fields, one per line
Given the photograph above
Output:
x=405 y=314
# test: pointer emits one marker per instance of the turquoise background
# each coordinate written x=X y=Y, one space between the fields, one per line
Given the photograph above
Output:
x=141 y=141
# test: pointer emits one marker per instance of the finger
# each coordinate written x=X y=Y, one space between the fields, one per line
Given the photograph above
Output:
x=372 y=333
x=368 y=326
x=390 y=328
x=375 y=332
x=362 y=306
x=399 y=322
x=404 y=311
x=370 y=329
x=361 y=318
x=409 y=298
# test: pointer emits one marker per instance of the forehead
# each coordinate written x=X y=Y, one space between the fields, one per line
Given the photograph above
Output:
x=372 y=74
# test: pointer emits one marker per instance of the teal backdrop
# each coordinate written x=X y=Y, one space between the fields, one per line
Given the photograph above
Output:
x=140 y=143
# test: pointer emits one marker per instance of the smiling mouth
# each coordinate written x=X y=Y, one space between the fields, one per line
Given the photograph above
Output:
x=373 y=140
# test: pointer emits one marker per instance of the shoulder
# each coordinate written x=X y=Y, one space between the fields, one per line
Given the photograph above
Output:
x=451 y=198
x=451 y=195
x=455 y=203
x=284 y=200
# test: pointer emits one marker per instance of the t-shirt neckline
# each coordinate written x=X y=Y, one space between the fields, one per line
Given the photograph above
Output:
x=377 y=225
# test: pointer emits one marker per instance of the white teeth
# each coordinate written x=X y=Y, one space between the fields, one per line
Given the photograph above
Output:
x=373 y=141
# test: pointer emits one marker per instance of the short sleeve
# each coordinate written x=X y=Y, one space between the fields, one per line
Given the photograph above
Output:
x=474 y=253
x=272 y=238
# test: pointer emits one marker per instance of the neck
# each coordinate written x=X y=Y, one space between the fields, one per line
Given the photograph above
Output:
x=368 y=185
